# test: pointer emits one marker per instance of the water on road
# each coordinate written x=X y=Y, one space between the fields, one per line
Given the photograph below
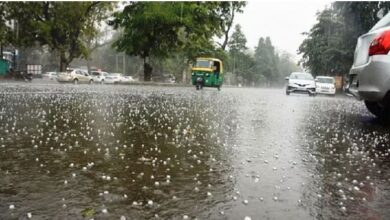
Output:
x=123 y=152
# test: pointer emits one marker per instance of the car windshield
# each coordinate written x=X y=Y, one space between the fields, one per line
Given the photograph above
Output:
x=203 y=64
x=325 y=80
x=302 y=76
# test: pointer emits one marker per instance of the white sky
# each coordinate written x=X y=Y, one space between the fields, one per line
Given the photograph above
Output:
x=282 y=21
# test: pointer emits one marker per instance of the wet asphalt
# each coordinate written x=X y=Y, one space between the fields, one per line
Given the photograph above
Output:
x=148 y=152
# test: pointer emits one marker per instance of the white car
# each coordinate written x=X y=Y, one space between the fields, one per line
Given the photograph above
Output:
x=113 y=78
x=75 y=76
x=325 y=85
x=369 y=77
x=301 y=83
x=98 y=76
x=50 y=75
x=126 y=79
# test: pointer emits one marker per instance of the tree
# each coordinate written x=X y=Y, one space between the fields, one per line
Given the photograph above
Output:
x=161 y=29
x=266 y=60
x=238 y=40
x=329 y=46
x=60 y=25
x=226 y=12
x=240 y=62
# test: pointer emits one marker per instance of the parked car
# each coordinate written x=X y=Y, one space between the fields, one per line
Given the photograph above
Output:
x=369 y=77
x=75 y=76
x=98 y=76
x=49 y=75
x=113 y=78
x=126 y=79
x=325 y=85
x=301 y=83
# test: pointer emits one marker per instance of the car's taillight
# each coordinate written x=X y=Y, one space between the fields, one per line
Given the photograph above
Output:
x=380 y=45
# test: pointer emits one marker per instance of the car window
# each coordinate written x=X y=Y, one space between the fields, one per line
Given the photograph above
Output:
x=203 y=64
x=95 y=73
x=385 y=21
x=325 y=80
x=303 y=76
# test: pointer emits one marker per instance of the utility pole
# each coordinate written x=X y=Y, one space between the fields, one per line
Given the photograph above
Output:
x=116 y=59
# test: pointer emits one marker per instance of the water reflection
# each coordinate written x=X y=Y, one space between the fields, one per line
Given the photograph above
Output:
x=348 y=157
x=137 y=153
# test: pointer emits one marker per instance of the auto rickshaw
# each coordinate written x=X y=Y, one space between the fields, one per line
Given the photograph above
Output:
x=207 y=72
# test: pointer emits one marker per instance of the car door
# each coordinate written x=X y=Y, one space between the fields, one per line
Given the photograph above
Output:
x=87 y=77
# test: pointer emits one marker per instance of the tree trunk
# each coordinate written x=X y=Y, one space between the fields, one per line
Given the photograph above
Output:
x=89 y=64
x=64 y=62
x=61 y=62
x=147 y=71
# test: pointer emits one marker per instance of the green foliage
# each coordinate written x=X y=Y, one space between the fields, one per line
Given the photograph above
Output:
x=59 y=25
x=237 y=42
x=266 y=60
x=264 y=67
x=161 y=29
x=330 y=44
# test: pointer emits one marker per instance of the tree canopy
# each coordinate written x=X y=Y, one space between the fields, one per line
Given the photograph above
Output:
x=329 y=46
x=160 y=29
x=59 y=25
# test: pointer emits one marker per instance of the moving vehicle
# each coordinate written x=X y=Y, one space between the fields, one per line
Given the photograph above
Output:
x=369 y=77
x=207 y=72
x=98 y=76
x=113 y=78
x=325 y=85
x=301 y=83
x=75 y=76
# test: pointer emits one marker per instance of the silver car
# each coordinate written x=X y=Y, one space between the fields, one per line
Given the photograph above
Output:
x=369 y=77
x=301 y=83
x=75 y=76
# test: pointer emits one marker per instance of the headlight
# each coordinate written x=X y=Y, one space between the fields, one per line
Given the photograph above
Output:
x=207 y=74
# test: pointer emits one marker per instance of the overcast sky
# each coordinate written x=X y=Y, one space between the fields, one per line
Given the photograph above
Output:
x=283 y=21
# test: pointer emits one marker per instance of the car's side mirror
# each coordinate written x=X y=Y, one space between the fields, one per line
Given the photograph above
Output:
x=287 y=78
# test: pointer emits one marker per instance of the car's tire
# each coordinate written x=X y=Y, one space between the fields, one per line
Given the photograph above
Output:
x=75 y=81
x=102 y=82
x=287 y=93
x=380 y=109
x=91 y=81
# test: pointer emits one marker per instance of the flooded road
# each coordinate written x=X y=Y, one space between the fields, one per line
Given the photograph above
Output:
x=130 y=152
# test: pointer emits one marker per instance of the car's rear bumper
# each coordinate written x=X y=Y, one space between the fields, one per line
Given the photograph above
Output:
x=370 y=81
x=326 y=91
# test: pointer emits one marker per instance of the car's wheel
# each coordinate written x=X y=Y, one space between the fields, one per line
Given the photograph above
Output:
x=75 y=81
x=380 y=109
x=287 y=93
x=374 y=107
x=91 y=81
x=102 y=82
